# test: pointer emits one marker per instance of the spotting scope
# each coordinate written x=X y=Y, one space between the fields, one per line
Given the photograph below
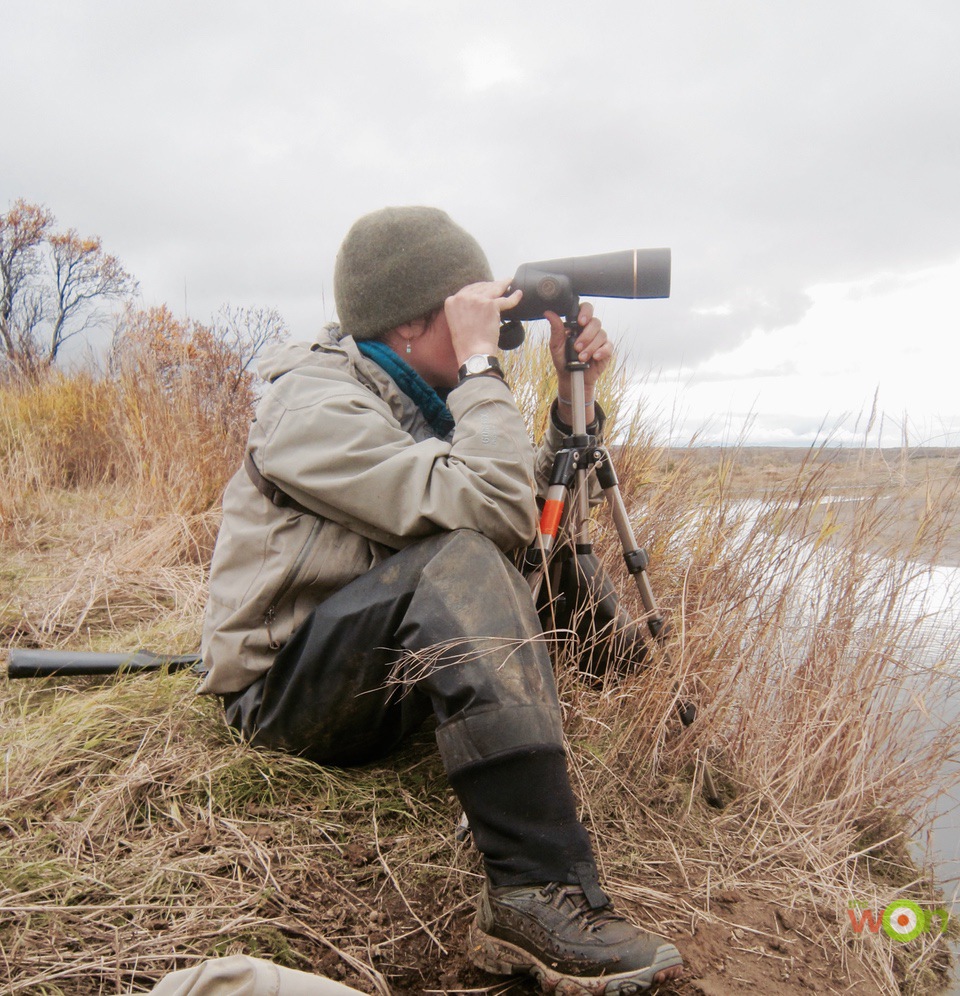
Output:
x=557 y=285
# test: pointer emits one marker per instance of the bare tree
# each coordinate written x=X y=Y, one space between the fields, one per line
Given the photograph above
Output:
x=51 y=286
x=23 y=232
x=82 y=274
x=245 y=331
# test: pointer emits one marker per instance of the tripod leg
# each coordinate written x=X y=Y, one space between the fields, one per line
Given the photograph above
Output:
x=538 y=556
x=565 y=468
x=635 y=557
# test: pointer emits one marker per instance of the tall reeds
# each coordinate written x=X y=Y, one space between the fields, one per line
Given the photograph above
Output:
x=113 y=482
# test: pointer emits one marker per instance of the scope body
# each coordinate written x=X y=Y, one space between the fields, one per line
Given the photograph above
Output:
x=555 y=284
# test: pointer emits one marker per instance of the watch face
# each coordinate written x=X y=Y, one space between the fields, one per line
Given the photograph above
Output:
x=477 y=364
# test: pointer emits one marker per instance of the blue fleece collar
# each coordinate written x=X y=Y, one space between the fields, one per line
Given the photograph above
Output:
x=430 y=403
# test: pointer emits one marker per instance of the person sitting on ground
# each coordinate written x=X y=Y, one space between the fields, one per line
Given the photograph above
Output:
x=361 y=581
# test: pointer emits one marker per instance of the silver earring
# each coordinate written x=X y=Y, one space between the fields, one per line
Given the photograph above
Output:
x=408 y=347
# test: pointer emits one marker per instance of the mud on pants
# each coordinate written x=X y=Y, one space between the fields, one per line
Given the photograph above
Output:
x=447 y=626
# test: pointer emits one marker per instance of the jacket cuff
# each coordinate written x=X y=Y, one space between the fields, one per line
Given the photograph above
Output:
x=595 y=428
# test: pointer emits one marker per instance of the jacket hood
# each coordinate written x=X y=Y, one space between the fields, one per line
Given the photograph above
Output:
x=283 y=357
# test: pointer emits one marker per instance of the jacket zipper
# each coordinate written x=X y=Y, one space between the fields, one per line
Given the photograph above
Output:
x=287 y=583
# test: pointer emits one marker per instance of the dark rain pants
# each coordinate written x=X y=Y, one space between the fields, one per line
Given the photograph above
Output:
x=446 y=626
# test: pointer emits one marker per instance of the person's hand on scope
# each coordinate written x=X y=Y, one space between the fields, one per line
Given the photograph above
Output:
x=593 y=348
x=473 y=315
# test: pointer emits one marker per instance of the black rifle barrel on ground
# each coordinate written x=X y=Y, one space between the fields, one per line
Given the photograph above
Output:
x=47 y=663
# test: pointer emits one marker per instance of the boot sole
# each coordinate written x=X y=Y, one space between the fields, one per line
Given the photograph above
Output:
x=502 y=958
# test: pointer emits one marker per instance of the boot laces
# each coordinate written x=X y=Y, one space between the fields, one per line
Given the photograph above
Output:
x=571 y=900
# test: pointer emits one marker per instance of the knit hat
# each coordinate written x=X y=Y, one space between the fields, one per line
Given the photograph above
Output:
x=399 y=263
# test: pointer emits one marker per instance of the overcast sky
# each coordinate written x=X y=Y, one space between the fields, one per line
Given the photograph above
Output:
x=801 y=158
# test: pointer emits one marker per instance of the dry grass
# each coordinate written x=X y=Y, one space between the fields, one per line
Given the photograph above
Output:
x=136 y=836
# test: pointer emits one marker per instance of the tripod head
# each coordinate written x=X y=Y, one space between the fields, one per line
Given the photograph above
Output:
x=556 y=285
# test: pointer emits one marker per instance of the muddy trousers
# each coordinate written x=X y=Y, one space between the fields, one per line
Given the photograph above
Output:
x=446 y=626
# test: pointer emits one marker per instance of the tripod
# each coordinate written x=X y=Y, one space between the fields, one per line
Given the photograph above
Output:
x=580 y=454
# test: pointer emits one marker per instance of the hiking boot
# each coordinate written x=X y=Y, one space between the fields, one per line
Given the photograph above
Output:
x=553 y=933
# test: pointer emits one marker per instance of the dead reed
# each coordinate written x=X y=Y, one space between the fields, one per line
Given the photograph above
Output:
x=137 y=836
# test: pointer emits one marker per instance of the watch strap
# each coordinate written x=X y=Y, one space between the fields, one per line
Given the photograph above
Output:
x=480 y=365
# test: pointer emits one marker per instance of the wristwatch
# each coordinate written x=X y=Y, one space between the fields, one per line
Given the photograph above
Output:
x=479 y=364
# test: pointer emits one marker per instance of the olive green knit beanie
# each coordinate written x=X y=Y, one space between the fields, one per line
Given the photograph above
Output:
x=399 y=263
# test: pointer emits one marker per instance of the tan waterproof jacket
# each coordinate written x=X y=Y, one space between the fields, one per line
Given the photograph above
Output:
x=334 y=432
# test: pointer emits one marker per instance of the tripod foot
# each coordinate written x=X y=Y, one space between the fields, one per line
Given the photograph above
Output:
x=710 y=789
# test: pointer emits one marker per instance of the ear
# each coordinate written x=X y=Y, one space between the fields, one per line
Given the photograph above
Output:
x=399 y=339
x=412 y=330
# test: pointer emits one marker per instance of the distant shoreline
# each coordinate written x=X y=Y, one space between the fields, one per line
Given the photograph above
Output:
x=903 y=500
